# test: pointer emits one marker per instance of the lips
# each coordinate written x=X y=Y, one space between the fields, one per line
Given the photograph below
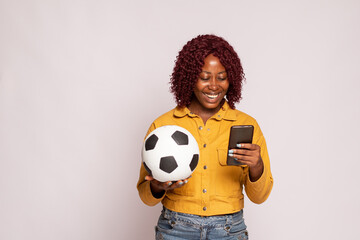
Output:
x=212 y=96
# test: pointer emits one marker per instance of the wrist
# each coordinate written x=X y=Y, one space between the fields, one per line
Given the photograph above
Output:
x=156 y=191
x=256 y=171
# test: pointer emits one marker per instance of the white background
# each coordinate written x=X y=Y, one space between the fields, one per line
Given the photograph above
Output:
x=81 y=81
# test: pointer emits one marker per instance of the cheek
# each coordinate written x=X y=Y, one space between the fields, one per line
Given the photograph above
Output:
x=226 y=86
x=199 y=86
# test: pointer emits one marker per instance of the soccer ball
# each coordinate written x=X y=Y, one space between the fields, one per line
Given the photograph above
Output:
x=170 y=153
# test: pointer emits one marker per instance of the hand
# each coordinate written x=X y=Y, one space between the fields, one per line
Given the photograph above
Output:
x=249 y=154
x=159 y=187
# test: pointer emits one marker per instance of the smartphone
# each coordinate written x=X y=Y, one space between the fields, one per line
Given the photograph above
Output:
x=239 y=134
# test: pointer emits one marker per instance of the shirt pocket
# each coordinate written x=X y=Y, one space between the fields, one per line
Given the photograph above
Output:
x=228 y=178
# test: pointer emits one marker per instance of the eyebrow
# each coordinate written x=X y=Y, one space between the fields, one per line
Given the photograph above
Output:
x=210 y=72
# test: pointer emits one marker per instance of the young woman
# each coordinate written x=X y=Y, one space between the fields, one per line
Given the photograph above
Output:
x=206 y=83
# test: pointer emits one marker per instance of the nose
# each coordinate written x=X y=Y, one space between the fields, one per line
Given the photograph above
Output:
x=213 y=84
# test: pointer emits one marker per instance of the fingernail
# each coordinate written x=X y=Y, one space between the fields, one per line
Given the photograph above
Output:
x=230 y=154
x=238 y=145
x=235 y=159
x=181 y=183
x=169 y=183
x=185 y=181
x=231 y=151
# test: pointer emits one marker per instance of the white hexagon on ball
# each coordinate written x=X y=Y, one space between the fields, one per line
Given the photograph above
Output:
x=170 y=153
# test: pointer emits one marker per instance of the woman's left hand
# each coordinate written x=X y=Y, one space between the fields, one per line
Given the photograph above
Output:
x=249 y=154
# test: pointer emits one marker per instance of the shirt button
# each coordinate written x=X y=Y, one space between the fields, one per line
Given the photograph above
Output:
x=204 y=208
x=208 y=129
x=205 y=167
x=219 y=115
x=205 y=145
x=204 y=190
x=200 y=128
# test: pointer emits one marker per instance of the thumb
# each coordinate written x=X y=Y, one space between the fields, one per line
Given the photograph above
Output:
x=149 y=178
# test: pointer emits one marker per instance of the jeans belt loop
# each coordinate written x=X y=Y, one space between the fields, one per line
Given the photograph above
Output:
x=167 y=214
x=175 y=216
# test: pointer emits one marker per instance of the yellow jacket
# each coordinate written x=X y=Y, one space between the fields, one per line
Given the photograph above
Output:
x=214 y=188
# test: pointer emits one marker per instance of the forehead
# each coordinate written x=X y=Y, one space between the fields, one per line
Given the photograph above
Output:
x=212 y=62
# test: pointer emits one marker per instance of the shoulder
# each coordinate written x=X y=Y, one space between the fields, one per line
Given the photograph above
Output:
x=176 y=116
x=242 y=118
x=170 y=117
x=165 y=116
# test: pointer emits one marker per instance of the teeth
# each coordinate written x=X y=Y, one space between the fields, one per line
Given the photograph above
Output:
x=212 y=96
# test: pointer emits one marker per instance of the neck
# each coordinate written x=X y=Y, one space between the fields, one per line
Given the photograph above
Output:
x=204 y=113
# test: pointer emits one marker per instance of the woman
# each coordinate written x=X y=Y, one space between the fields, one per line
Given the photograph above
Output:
x=206 y=83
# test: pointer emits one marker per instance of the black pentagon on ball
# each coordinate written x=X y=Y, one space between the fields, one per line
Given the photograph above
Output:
x=168 y=164
x=180 y=138
x=151 y=142
x=147 y=169
x=194 y=162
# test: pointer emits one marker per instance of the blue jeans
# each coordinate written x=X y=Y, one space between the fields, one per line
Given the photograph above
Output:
x=178 y=226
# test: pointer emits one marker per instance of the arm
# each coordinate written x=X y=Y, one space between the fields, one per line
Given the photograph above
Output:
x=258 y=180
x=259 y=189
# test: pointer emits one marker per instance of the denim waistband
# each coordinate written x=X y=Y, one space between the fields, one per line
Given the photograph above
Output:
x=196 y=219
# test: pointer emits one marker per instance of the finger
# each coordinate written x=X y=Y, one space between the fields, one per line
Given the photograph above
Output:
x=243 y=158
x=179 y=183
x=149 y=178
x=248 y=146
x=241 y=162
x=240 y=152
x=186 y=179
x=173 y=185
x=168 y=184
x=236 y=153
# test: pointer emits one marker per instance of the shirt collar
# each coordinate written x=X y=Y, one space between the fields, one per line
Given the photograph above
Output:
x=225 y=112
x=182 y=111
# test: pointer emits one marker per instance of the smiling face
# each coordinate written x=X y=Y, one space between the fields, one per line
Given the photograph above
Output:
x=211 y=86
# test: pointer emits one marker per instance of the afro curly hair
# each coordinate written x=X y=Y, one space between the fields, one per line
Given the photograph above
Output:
x=189 y=63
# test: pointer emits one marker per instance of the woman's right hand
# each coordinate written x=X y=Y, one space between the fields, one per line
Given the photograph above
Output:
x=158 y=187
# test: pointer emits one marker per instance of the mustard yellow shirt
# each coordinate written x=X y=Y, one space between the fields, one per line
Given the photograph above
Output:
x=214 y=188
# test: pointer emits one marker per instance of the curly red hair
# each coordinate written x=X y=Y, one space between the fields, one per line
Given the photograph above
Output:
x=190 y=60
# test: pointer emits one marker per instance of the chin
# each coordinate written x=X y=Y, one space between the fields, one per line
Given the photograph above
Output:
x=211 y=105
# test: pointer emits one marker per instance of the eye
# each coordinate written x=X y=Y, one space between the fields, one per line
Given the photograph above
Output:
x=222 y=78
x=204 y=77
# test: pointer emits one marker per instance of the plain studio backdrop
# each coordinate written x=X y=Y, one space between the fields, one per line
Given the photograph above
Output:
x=81 y=82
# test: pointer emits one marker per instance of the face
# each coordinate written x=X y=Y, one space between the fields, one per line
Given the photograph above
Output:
x=212 y=84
